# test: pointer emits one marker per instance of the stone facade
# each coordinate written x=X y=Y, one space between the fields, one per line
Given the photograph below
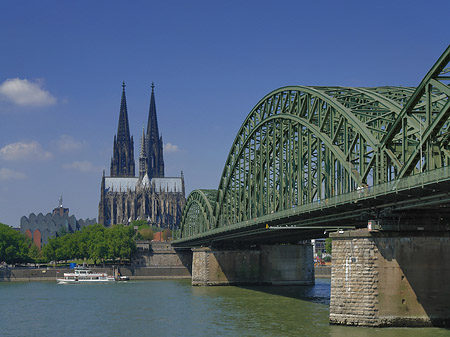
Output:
x=151 y=197
x=390 y=278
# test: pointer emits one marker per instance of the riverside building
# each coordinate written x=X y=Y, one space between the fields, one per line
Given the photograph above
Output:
x=40 y=228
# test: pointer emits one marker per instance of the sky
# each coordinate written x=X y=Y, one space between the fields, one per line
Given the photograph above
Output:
x=62 y=64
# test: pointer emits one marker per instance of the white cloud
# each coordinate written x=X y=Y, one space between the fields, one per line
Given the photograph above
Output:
x=24 y=151
x=7 y=174
x=66 y=143
x=82 y=166
x=169 y=147
x=26 y=93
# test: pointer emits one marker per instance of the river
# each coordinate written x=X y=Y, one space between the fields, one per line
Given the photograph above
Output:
x=175 y=308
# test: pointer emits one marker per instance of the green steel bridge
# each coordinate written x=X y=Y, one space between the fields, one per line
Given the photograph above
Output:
x=311 y=159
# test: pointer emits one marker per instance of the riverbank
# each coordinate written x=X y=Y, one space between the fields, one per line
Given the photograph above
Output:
x=134 y=273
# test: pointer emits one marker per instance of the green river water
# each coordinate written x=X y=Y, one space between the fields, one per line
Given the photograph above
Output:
x=175 y=308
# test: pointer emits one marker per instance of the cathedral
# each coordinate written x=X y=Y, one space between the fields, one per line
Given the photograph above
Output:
x=151 y=197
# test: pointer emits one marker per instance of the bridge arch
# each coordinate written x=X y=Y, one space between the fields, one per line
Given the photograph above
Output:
x=302 y=144
x=198 y=213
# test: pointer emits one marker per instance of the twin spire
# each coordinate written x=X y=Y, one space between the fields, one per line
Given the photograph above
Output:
x=151 y=160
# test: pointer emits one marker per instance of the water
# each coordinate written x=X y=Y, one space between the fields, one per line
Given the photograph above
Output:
x=174 y=308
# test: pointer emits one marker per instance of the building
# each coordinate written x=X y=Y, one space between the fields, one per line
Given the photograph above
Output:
x=40 y=228
x=150 y=196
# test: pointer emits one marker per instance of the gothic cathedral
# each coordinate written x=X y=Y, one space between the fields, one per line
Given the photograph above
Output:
x=151 y=196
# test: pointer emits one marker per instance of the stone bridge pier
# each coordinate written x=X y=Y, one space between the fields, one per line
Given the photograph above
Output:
x=390 y=278
x=266 y=264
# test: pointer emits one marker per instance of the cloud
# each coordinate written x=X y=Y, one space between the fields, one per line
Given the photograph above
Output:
x=66 y=143
x=7 y=174
x=26 y=93
x=82 y=166
x=24 y=151
x=171 y=148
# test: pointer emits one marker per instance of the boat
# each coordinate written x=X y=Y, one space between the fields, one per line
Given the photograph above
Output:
x=83 y=275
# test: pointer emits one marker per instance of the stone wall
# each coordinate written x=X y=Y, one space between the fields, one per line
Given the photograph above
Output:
x=275 y=264
x=322 y=271
x=390 y=278
x=162 y=254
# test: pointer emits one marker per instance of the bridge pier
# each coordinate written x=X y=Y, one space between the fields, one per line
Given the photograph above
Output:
x=390 y=278
x=266 y=264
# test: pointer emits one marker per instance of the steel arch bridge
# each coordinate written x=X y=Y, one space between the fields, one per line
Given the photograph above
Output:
x=302 y=149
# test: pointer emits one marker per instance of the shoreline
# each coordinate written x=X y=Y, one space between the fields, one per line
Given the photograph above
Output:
x=134 y=273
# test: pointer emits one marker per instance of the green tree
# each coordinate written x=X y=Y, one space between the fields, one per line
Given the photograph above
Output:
x=13 y=245
x=34 y=253
x=328 y=245
x=68 y=247
x=146 y=233
x=121 y=244
x=49 y=251
x=97 y=243
x=139 y=223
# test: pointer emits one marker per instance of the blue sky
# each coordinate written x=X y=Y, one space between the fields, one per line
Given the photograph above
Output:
x=62 y=64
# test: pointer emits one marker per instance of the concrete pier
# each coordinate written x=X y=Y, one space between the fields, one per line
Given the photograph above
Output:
x=390 y=278
x=267 y=264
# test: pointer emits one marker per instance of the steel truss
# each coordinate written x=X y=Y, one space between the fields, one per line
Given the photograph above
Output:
x=301 y=144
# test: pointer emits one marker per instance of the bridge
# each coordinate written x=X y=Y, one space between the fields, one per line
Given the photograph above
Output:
x=304 y=155
x=308 y=160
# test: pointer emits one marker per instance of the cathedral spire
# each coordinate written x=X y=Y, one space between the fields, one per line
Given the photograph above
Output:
x=123 y=129
x=152 y=125
x=122 y=163
x=154 y=148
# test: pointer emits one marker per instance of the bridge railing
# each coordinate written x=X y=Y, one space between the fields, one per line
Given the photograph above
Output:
x=413 y=181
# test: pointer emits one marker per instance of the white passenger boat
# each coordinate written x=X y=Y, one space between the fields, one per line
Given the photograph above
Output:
x=82 y=274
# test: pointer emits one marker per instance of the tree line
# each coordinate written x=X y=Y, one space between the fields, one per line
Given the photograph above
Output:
x=94 y=242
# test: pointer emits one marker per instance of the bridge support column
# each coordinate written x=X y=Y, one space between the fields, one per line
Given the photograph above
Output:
x=267 y=264
x=390 y=278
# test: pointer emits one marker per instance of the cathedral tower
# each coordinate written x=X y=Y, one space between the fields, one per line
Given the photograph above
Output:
x=151 y=197
x=122 y=161
x=154 y=143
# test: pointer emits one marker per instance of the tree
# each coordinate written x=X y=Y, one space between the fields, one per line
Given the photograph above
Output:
x=13 y=245
x=49 y=251
x=120 y=242
x=93 y=242
x=139 y=223
x=35 y=254
x=166 y=234
x=328 y=245
x=98 y=245
x=146 y=233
